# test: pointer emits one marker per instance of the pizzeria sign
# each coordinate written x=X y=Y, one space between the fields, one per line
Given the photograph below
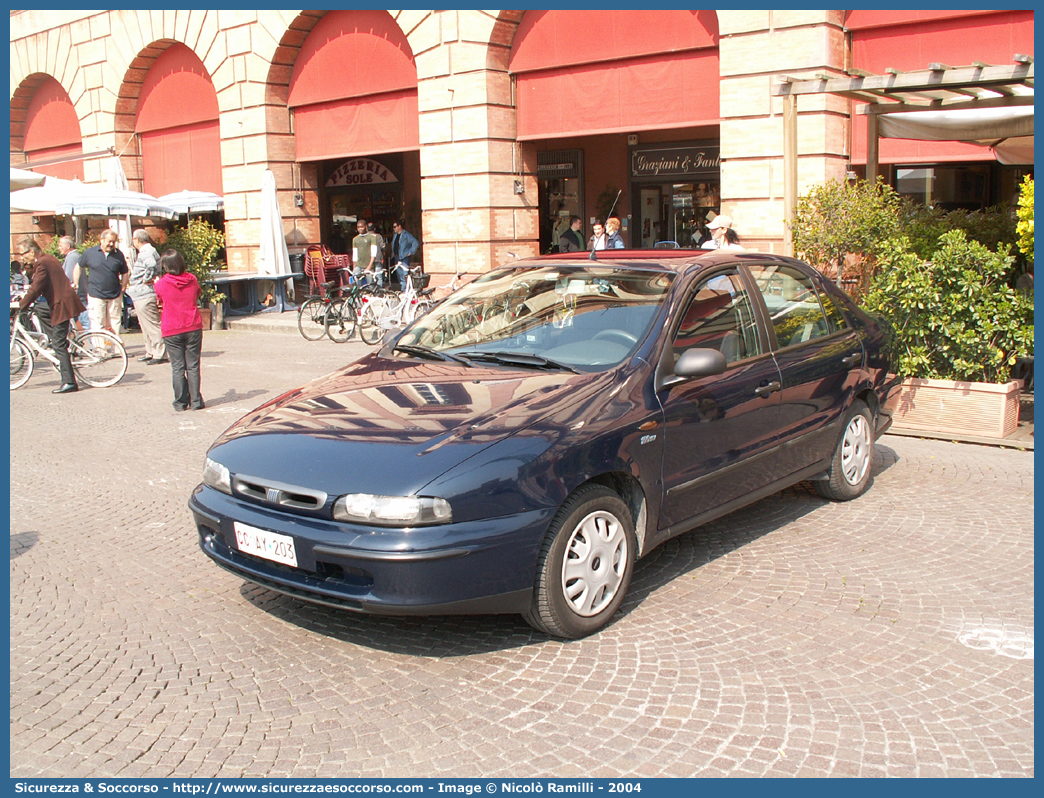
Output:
x=361 y=172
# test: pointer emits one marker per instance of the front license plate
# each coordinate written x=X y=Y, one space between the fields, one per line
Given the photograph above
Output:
x=262 y=543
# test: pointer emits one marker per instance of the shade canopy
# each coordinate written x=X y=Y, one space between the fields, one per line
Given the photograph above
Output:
x=44 y=198
x=23 y=178
x=101 y=200
x=184 y=202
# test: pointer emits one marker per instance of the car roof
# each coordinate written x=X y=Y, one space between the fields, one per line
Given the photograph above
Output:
x=675 y=260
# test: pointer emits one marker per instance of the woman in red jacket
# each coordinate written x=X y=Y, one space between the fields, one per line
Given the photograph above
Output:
x=181 y=326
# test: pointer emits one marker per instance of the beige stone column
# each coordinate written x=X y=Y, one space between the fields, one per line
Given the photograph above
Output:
x=469 y=160
x=755 y=48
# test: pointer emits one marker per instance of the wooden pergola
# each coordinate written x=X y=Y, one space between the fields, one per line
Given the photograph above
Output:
x=970 y=90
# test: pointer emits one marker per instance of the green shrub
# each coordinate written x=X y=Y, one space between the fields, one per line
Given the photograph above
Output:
x=1024 y=228
x=838 y=219
x=924 y=226
x=198 y=245
x=955 y=316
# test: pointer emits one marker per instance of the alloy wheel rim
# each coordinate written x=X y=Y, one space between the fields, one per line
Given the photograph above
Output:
x=594 y=563
x=855 y=450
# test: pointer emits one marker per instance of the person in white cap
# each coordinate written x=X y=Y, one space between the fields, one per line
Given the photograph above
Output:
x=722 y=234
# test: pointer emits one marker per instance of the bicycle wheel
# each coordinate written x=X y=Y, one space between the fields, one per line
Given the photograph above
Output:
x=98 y=358
x=311 y=319
x=340 y=321
x=370 y=330
x=21 y=364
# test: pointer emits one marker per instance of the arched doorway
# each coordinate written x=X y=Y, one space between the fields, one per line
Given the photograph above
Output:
x=177 y=122
x=624 y=102
x=353 y=94
x=52 y=131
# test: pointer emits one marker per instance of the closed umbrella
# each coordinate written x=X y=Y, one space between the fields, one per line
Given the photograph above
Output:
x=274 y=256
x=122 y=226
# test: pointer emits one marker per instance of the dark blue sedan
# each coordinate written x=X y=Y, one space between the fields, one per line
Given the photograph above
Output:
x=517 y=449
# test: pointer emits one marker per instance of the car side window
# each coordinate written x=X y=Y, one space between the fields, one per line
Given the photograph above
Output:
x=834 y=315
x=719 y=316
x=793 y=304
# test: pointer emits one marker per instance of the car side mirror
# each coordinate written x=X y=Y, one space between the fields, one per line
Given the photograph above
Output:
x=699 y=362
x=693 y=364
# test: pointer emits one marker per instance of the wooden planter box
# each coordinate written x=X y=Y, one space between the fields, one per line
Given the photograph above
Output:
x=983 y=409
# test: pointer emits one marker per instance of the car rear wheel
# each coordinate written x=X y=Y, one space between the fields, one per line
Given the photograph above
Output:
x=849 y=474
x=585 y=564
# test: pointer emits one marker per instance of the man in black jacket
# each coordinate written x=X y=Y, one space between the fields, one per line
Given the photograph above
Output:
x=572 y=240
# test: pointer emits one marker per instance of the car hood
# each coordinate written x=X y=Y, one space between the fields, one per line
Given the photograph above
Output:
x=389 y=426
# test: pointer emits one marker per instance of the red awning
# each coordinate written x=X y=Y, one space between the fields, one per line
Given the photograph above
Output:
x=352 y=54
x=180 y=158
x=357 y=126
x=647 y=93
x=915 y=39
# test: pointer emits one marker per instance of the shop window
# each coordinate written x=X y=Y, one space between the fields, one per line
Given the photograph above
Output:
x=946 y=187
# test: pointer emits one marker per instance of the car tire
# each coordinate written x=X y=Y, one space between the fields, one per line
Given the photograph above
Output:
x=585 y=564
x=849 y=475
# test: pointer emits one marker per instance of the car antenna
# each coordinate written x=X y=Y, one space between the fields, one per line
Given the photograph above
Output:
x=612 y=208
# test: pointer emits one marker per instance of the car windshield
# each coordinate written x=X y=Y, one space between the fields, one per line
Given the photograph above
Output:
x=569 y=317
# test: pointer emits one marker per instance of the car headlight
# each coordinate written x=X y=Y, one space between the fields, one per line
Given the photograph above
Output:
x=392 y=510
x=217 y=476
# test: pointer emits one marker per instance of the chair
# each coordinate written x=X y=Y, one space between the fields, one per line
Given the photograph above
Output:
x=320 y=271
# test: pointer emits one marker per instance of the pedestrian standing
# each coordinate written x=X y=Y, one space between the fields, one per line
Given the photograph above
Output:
x=597 y=236
x=77 y=276
x=403 y=247
x=572 y=240
x=177 y=293
x=143 y=276
x=613 y=239
x=107 y=276
x=364 y=250
x=50 y=282
x=723 y=236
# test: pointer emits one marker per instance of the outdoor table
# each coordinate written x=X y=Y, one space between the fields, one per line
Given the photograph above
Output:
x=245 y=292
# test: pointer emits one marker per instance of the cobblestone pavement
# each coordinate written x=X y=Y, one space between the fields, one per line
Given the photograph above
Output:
x=890 y=636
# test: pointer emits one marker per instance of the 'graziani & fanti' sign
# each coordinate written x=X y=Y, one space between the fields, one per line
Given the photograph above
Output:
x=361 y=172
x=656 y=163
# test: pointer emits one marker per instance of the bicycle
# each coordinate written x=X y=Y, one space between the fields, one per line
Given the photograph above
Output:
x=98 y=357
x=311 y=316
x=342 y=316
x=380 y=314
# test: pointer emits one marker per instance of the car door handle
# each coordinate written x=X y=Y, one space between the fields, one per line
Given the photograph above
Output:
x=767 y=390
x=851 y=360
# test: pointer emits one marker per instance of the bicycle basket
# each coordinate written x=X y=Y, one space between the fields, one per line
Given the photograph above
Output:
x=420 y=281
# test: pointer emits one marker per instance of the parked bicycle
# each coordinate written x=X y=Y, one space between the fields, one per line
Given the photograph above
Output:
x=98 y=357
x=342 y=317
x=395 y=311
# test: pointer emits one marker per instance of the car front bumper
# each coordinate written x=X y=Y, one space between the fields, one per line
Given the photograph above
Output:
x=476 y=567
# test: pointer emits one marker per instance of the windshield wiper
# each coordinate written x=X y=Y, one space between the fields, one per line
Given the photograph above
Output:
x=519 y=359
x=433 y=354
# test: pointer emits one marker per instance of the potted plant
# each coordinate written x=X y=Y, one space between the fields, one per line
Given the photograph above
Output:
x=960 y=328
x=199 y=244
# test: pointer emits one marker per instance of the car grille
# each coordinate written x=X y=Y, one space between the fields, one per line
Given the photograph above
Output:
x=279 y=494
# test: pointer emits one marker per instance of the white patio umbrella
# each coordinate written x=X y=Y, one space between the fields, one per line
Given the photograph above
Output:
x=122 y=226
x=274 y=257
x=23 y=178
x=95 y=199
x=189 y=202
x=45 y=197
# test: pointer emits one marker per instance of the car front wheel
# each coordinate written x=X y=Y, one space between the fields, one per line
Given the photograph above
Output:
x=849 y=474
x=585 y=564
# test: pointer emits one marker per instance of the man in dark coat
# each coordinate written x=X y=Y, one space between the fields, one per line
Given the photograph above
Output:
x=572 y=240
x=50 y=282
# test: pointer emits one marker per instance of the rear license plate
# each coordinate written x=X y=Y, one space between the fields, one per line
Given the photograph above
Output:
x=262 y=543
